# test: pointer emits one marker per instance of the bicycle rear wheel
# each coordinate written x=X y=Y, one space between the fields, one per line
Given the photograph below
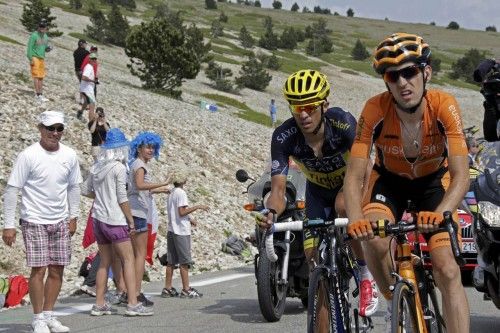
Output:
x=404 y=315
x=320 y=307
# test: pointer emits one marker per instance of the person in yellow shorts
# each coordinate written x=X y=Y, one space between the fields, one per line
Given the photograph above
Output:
x=38 y=45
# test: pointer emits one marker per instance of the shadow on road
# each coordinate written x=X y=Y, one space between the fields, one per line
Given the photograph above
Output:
x=16 y=328
x=248 y=311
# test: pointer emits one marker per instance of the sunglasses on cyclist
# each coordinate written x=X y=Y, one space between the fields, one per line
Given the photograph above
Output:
x=309 y=108
x=407 y=73
x=54 y=128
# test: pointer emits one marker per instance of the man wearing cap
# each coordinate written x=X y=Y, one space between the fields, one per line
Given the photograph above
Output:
x=38 y=44
x=78 y=55
x=86 y=60
x=48 y=175
x=87 y=87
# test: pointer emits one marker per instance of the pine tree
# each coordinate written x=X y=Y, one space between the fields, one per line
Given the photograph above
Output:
x=99 y=25
x=350 y=12
x=219 y=76
x=217 y=30
x=288 y=39
x=75 y=4
x=359 y=51
x=295 y=7
x=277 y=4
x=270 y=40
x=223 y=17
x=117 y=27
x=210 y=4
x=33 y=12
x=163 y=55
x=246 y=39
x=253 y=75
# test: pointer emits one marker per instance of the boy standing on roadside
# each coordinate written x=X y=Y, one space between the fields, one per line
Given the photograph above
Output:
x=179 y=238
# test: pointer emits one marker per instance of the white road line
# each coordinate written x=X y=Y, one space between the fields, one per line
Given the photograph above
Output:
x=86 y=307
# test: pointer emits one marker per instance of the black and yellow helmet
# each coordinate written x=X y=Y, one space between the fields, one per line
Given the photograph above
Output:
x=399 y=48
x=305 y=87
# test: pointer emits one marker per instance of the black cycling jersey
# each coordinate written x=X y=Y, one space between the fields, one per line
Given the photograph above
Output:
x=328 y=172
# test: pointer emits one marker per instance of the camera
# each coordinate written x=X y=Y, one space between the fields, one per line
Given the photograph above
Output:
x=488 y=74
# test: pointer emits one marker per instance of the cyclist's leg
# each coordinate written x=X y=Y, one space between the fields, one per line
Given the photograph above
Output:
x=444 y=268
x=318 y=206
x=368 y=300
x=379 y=202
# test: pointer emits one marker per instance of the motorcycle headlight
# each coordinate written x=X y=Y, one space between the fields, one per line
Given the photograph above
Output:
x=490 y=213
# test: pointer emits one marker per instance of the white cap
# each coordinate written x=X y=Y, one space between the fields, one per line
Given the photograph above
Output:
x=49 y=118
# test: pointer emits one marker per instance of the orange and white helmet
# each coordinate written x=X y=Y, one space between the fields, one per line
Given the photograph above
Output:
x=399 y=48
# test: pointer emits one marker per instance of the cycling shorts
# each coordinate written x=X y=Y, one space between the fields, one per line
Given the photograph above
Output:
x=320 y=204
x=388 y=193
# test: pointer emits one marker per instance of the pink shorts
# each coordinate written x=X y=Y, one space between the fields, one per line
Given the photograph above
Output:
x=109 y=234
x=46 y=244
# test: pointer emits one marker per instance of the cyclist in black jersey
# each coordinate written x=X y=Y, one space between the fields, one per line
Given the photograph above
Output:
x=318 y=139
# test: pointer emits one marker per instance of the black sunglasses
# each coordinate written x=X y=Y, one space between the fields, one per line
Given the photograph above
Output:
x=407 y=73
x=54 y=128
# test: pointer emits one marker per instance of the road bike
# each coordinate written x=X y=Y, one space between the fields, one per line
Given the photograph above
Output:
x=414 y=302
x=334 y=270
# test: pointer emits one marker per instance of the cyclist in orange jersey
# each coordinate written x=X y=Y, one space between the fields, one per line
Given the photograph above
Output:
x=421 y=155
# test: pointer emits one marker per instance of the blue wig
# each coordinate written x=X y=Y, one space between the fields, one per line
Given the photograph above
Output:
x=145 y=138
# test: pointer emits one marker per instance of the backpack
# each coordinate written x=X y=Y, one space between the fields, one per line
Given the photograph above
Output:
x=234 y=245
x=18 y=289
x=4 y=289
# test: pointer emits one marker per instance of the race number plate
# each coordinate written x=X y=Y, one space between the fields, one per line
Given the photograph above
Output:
x=469 y=247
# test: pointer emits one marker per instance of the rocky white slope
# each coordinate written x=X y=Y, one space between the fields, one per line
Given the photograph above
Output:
x=211 y=145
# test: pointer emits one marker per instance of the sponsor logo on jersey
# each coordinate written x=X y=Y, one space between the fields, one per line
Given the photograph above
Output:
x=275 y=164
x=283 y=136
x=340 y=124
x=456 y=117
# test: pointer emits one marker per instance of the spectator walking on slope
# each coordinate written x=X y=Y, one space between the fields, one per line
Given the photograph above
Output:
x=113 y=221
x=143 y=148
x=272 y=113
x=98 y=128
x=86 y=60
x=87 y=87
x=78 y=55
x=179 y=238
x=38 y=45
x=48 y=175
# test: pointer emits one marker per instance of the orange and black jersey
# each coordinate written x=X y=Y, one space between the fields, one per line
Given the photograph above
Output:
x=442 y=135
x=328 y=171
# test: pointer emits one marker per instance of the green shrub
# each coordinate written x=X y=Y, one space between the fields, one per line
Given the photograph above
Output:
x=464 y=67
x=210 y=4
x=453 y=26
x=246 y=39
x=253 y=75
x=359 y=51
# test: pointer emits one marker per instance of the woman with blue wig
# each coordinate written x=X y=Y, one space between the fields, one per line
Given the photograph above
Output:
x=143 y=148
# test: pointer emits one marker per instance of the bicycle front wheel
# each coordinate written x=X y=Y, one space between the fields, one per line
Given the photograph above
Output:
x=404 y=314
x=321 y=304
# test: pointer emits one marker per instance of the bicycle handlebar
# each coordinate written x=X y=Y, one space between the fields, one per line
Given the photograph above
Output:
x=297 y=226
x=447 y=225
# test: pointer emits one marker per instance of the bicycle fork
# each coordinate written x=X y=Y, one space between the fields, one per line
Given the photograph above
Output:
x=407 y=275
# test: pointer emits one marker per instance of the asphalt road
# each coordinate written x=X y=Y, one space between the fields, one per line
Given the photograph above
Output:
x=229 y=304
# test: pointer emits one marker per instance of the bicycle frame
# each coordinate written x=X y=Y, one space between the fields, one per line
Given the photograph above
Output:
x=406 y=274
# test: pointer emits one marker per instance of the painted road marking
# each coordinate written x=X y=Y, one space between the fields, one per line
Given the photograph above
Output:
x=87 y=307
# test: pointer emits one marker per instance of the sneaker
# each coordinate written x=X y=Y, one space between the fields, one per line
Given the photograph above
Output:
x=113 y=298
x=40 y=326
x=41 y=98
x=55 y=325
x=368 y=299
x=88 y=290
x=123 y=299
x=190 y=293
x=144 y=300
x=101 y=310
x=138 y=310
x=172 y=292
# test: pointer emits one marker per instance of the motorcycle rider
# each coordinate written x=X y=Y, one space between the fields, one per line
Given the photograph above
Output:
x=318 y=139
x=488 y=74
x=421 y=156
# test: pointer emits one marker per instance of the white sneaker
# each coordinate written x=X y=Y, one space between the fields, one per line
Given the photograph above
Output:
x=42 y=98
x=40 y=326
x=55 y=325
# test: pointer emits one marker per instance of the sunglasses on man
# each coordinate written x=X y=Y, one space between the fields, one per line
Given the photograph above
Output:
x=407 y=73
x=309 y=108
x=54 y=128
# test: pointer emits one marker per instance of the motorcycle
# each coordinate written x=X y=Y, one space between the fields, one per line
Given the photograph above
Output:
x=289 y=275
x=486 y=226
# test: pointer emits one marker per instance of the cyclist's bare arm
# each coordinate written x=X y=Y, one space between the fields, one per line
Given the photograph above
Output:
x=275 y=200
x=459 y=184
x=353 y=183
